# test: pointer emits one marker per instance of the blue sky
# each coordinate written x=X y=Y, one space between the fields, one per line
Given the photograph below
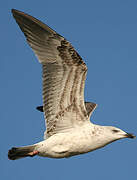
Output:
x=105 y=35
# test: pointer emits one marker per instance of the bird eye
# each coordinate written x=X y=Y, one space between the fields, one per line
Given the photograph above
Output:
x=115 y=130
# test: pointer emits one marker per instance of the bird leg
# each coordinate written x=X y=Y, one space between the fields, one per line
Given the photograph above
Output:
x=33 y=153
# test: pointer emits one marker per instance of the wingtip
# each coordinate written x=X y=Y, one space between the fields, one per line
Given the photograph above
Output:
x=14 y=11
x=39 y=108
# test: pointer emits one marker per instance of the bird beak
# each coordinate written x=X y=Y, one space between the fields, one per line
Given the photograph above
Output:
x=129 y=135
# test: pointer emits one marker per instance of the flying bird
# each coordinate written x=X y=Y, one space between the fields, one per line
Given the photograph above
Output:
x=69 y=131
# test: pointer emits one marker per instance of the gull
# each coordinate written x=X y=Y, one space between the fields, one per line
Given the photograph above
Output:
x=69 y=130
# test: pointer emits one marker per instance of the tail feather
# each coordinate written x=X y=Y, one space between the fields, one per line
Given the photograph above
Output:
x=21 y=152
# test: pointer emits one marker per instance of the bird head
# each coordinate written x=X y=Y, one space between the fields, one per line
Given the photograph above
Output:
x=115 y=133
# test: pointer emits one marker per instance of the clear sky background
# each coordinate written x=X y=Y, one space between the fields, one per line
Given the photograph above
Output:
x=104 y=32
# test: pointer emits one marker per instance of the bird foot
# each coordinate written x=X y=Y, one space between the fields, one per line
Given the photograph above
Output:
x=33 y=153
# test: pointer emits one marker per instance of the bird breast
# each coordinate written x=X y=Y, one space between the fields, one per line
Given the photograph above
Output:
x=77 y=141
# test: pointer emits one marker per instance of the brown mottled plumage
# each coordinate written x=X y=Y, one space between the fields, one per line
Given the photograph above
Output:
x=68 y=128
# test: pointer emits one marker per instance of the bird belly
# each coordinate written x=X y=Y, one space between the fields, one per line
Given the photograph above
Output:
x=68 y=144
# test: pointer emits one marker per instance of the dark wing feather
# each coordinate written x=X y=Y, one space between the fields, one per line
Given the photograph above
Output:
x=90 y=107
x=64 y=74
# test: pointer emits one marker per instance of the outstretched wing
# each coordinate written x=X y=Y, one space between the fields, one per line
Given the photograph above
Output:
x=90 y=107
x=64 y=74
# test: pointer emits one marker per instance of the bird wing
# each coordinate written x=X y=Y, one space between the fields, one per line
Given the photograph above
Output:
x=64 y=74
x=90 y=107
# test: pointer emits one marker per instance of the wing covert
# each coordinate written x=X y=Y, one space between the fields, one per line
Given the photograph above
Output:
x=64 y=74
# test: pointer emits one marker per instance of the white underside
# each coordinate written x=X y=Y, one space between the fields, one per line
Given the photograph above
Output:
x=77 y=141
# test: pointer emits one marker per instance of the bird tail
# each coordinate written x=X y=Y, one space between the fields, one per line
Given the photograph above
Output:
x=22 y=152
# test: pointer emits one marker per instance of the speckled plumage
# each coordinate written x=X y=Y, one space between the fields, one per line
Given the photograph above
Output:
x=68 y=128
